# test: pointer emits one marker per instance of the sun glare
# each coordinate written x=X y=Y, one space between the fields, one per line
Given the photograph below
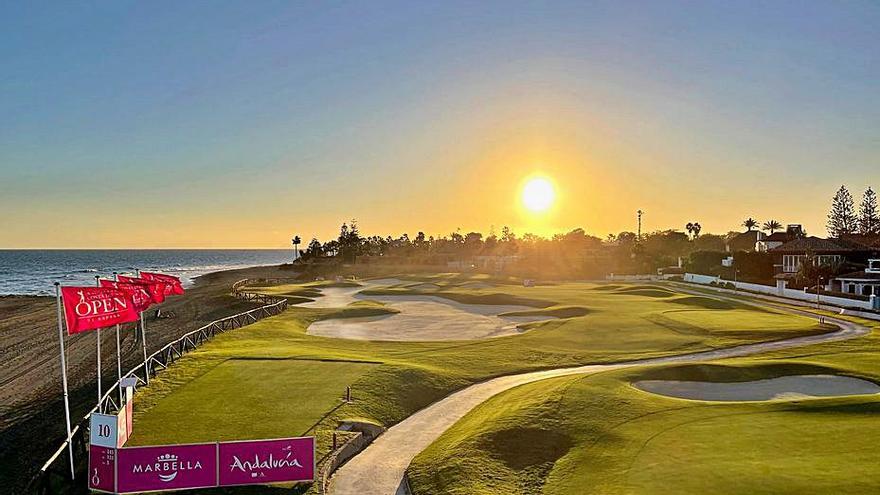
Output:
x=538 y=194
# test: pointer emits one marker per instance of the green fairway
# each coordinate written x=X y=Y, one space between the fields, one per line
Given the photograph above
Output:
x=231 y=385
x=268 y=398
x=599 y=434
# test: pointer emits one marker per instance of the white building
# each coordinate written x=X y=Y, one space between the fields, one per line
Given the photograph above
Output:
x=866 y=283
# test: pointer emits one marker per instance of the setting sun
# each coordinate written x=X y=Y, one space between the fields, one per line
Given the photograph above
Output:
x=538 y=195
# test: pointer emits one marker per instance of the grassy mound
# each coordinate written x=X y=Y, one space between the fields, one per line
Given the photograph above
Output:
x=647 y=292
x=359 y=309
x=744 y=372
x=636 y=287
x=298 y=299
x=476 y=285
x=604 y=287
x=337 y=284
x=703 y=302
x=423 y=286
x=556 y=312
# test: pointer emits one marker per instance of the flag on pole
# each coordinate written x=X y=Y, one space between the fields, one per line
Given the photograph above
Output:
x=139 y=293
x=174 y=282
x=157 y=290
x=88 y=308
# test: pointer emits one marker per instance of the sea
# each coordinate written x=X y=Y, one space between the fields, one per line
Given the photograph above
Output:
x=34 y=272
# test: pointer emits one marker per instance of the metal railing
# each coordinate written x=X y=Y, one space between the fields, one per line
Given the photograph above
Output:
x=54 y=475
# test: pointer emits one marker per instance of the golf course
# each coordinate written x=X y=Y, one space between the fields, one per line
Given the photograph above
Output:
x=283 y=376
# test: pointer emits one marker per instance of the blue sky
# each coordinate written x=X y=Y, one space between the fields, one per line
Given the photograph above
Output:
x=235 y=124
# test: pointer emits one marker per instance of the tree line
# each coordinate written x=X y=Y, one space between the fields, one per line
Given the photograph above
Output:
x=845 y=219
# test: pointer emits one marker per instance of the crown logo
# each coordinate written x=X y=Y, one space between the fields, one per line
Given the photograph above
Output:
x=167 y=458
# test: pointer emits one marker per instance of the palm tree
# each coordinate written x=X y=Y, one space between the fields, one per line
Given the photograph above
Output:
x=296 y=242
x=750 y=223
x=693 y=228
x=772 y=226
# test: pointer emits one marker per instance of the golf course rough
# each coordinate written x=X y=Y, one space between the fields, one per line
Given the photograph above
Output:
x=273 y=379
x=621 y=440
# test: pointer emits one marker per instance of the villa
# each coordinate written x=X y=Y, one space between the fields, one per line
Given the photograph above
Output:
x=789 y=257
x=864 y=283
x=776 y=239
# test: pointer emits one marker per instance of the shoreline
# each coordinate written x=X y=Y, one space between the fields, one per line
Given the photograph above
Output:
x=28 y=273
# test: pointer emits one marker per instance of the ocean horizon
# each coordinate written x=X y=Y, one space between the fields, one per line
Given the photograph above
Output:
x=35 y=271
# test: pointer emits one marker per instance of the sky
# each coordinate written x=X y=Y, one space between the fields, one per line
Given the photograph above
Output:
x=239 y=124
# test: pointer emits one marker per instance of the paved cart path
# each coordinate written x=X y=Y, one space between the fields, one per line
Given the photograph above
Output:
x=380 y=468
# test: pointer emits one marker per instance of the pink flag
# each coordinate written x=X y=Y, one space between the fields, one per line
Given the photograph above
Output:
x=174 y=282
x=88 y=308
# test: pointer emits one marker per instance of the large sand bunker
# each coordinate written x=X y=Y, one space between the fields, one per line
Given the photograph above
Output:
x=420 y=318
x=780 y=388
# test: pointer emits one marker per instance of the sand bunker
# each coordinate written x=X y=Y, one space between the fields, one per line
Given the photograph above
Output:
x=781 y=388
x=420 y=318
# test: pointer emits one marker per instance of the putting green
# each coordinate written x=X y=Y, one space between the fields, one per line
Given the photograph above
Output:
x=267 y=398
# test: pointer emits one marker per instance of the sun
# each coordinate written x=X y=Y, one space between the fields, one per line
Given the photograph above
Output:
x=538 y=194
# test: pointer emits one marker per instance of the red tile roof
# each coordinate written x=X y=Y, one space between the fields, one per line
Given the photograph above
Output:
x=820 y=246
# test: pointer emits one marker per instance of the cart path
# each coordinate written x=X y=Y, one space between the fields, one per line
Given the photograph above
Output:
x=380 y=468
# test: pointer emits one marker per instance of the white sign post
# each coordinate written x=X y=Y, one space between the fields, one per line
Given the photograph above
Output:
x=104 y=430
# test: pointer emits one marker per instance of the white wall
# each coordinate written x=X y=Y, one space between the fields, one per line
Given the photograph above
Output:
x=786 y=292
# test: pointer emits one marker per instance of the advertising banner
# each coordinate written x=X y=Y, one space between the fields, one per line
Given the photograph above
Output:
x=205 y=465
x=129 y=411
x=267 y=461
x=122 y=427
x=172 y=283
x=139 y=294
x=88 y=308
x=102 y=468
x=170 y=467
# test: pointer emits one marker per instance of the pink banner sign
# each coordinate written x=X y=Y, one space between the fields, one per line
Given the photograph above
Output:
x=171 y=467
x=102 y=469
x=267 y=461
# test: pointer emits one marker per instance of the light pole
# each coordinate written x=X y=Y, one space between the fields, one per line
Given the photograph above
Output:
x=818 y=293
x=639 y=235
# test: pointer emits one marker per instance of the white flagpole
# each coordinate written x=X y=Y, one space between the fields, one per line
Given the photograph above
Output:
x=144 y=337
x=118 y=356
x=98 y=346
x=64 y=378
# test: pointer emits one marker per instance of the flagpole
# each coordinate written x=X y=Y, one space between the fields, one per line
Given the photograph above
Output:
x=98 y=346
x=64 y=378
x=144 y=338
x=118 y=356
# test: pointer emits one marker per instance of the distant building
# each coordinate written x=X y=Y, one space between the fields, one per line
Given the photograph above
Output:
x=864 y=283
x=789 y=257
x=744 y=242
x=776 y=239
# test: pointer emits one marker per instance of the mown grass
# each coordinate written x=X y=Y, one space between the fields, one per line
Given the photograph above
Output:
x=594 y=326
x=611 y=438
